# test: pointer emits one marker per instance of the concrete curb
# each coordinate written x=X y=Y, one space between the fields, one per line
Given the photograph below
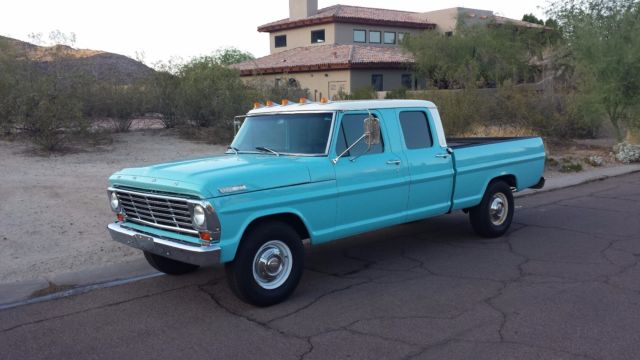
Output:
x=62 y=285
x=575 y=179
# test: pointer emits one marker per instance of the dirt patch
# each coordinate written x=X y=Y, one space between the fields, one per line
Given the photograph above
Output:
x=570 y=156
x=54 y=210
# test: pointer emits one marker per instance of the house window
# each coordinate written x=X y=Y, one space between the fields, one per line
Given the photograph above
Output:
x=406 y=81
x=415 y=130
x=389 y=37
x=359 y=36
x=281 y=41
x=375 y=37
x=376 y=82
x=402 y=36
x=317 y=36
x=449 y=33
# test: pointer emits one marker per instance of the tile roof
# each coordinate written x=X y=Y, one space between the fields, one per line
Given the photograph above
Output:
x=327 y=57
x=354 y=15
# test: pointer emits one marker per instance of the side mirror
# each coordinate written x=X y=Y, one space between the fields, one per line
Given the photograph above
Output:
x=372 y=130
x=371 y=136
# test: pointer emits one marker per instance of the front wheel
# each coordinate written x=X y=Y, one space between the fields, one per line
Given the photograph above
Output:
x=268 y=265
x=493 y=216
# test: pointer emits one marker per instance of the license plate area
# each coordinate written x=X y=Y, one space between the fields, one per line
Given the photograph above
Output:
x=144 y=242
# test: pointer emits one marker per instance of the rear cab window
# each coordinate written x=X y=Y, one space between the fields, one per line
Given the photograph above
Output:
x=415 y=129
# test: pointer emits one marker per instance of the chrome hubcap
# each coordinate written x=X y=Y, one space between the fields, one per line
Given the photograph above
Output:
x=272 y=264
x=499 y=209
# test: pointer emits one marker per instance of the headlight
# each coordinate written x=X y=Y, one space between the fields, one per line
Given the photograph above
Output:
x=199 y=217
x=114 y=202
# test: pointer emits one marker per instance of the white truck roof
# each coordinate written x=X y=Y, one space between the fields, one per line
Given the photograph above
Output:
x=343 y=106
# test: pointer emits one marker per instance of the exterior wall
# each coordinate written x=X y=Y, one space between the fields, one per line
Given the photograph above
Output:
x=302 y=9
x=391 y=78
x=344 y=33
x=320 y=83
x=302 y=37
x=446 y=20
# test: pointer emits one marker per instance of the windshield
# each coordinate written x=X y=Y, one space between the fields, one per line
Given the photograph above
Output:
x=306 y=134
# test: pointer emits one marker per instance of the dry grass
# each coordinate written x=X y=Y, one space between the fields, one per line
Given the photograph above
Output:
x=498 y=131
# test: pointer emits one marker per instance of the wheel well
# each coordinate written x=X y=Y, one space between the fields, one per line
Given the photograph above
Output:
x=509 y=179
x=288 y=218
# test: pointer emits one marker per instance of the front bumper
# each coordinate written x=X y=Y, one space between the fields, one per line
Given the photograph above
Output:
x=197 y=255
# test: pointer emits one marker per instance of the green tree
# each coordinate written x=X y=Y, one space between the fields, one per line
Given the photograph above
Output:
x=231 y=55
x=211 y=94
x=603 y=42
x=532 y=19
x=478 y=56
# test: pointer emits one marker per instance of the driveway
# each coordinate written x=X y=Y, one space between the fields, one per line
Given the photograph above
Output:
x=563 y=284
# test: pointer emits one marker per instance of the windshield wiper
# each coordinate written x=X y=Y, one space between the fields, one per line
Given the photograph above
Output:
x=266 y=149
x=234 y=149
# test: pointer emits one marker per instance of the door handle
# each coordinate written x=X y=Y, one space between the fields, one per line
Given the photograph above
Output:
x=442 y=156
x=393 y=162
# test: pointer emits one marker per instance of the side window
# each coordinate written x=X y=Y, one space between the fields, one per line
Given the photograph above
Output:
x=280 y=41
x=415 y=129
x=317 y=36
x=351 y=128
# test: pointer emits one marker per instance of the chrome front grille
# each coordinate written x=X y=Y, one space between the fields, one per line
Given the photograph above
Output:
x=160 y=211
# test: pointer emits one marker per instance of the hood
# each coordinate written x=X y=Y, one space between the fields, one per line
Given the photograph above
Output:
x=204 y=177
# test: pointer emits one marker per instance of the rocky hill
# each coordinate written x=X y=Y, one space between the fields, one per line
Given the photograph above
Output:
x=98 y=65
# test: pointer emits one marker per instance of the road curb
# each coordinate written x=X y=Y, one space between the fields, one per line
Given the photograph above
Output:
x=570 y=180
x=68 y=284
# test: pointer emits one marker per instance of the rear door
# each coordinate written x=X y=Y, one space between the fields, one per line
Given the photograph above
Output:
x=430 y=165
x=372 y=186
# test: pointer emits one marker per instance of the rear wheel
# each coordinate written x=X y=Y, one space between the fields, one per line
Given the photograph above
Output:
x=268 y=265
x=169 y=266
x=493 y=216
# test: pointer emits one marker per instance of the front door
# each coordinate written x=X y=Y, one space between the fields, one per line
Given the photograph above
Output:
x=372 y=185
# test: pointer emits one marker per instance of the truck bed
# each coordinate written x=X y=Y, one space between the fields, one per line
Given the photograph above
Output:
x=477 y=160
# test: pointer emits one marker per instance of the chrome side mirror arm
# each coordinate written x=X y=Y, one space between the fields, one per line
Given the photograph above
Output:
x=335 y=160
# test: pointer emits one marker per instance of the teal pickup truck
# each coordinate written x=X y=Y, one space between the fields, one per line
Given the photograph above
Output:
x=308 y=173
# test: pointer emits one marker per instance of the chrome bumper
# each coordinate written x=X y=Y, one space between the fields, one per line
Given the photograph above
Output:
x=197 y=255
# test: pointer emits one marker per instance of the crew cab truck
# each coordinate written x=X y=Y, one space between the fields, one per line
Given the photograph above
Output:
x=308 y=173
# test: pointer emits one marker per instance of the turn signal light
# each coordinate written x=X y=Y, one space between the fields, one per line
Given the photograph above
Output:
x=120 y=217
x=205 y=236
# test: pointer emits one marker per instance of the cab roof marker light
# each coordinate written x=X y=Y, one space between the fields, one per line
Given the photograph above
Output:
x=269 y=103
x=324 y=100
x=303 y=101
x=257 y=105
x=284 y=102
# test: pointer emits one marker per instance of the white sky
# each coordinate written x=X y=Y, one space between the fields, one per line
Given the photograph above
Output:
x=161 y=30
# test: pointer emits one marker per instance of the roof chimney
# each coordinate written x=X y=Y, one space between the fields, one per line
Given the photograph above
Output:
x=300 y=9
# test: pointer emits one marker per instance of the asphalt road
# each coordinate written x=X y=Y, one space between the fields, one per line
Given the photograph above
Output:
x=563 y=284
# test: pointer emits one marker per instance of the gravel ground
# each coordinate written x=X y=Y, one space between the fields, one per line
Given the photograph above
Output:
x=53 y=210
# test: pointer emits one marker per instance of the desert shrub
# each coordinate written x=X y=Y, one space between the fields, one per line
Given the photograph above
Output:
x=210 y=95
x=363 y=93
x=400 y=93
x=459 y=109
x=163 y=97
x=262 y=90
x=49 y=113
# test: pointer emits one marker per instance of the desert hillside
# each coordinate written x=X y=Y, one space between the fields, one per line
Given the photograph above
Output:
x=98 y=65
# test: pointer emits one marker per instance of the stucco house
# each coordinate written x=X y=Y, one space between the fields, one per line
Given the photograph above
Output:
x=342 y=48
